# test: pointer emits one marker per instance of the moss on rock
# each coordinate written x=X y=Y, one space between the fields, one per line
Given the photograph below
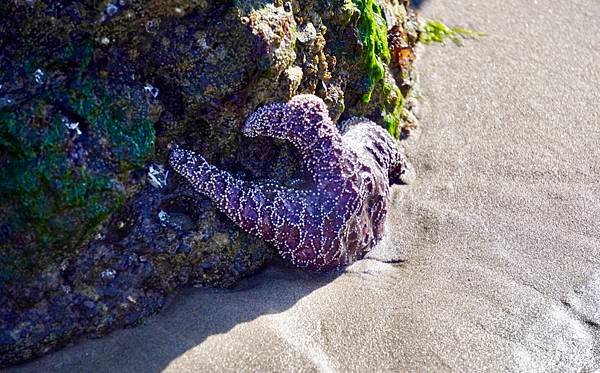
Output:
x=372 y=30
x=65 y=153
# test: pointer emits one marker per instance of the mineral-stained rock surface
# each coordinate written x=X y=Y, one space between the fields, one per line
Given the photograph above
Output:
x=95 y=229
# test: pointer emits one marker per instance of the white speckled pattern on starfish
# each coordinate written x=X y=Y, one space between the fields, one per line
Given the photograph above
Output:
x=335 y=221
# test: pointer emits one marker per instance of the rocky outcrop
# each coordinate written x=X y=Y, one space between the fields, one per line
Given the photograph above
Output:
x=95 y=229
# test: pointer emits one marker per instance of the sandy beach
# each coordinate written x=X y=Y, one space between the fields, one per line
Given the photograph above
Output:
x=491 y=260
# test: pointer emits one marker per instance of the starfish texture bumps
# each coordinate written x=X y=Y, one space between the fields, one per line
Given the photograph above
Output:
x=340 y=216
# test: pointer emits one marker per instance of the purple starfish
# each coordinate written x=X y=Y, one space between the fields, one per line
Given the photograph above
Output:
x=340 y=217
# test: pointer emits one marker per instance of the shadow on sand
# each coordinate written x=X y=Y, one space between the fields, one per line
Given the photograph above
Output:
x=190 y=318
x=417 y=3
x=193 y=315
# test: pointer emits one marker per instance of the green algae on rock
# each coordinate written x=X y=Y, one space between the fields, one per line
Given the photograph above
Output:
x=384 y=83
x=65 y=157
x=373 y=34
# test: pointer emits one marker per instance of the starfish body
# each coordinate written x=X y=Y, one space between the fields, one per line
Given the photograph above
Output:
x=340 y=216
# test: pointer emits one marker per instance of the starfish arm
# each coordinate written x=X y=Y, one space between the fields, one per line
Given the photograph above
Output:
x=366 y=137
x=305 y=122
x=263 y=209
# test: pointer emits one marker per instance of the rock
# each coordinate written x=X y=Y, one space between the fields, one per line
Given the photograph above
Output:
x=94 y=229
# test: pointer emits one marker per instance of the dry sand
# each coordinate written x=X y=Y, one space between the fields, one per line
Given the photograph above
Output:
x=500 y=233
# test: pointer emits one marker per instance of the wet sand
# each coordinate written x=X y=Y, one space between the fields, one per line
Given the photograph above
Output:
x=492 y=256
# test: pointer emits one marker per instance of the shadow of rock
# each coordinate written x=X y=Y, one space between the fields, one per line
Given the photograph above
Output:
x=417 y=3
x=190 y=318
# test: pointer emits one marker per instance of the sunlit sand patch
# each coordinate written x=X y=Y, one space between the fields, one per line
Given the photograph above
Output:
x=565 y=338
